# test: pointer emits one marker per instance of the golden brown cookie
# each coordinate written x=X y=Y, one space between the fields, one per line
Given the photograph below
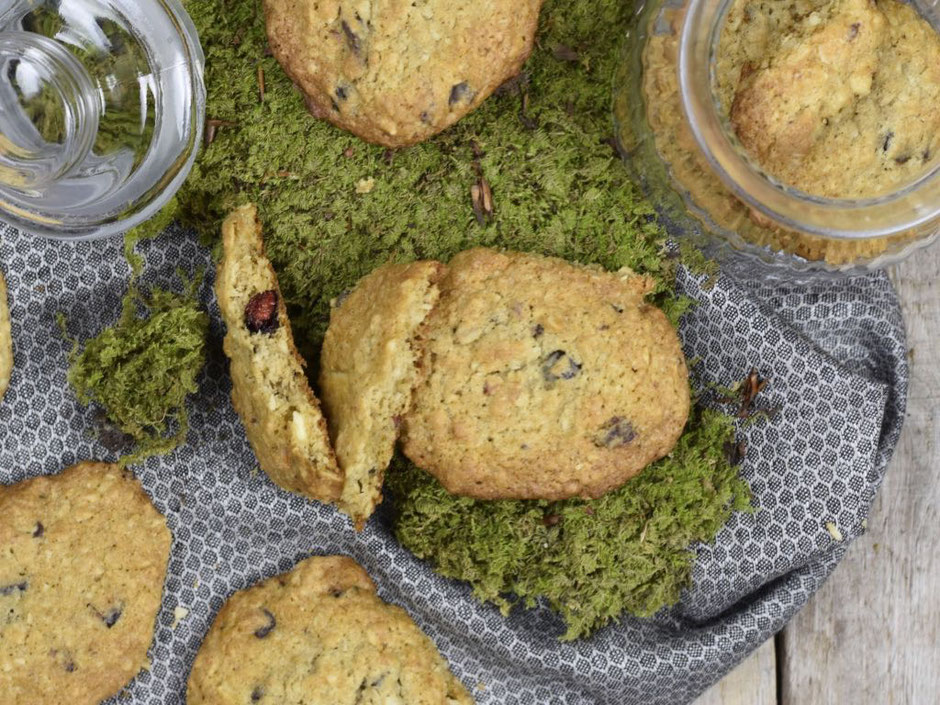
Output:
x=836 y=97
x=543 y=379
x=6 y=340
x=81 y=577
x=367 y=371
x=319 y=635
x=398 y=71
x=270 y=391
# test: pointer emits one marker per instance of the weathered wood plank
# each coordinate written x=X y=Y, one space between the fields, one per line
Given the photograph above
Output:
x=753 y=682
x=872 y=634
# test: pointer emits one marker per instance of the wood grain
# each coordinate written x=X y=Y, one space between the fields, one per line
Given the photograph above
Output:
x=753 y=682
x=872 y=634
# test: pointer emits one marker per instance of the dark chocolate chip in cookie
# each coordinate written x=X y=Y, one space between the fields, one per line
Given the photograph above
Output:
x=615 y=433
x=39 y=530
x=257 y=694
x=111 y=617
x=262 y=632
x=352 y=39
x=14 y=587
x=261 y=312
x=559 y=365
x=459 y=92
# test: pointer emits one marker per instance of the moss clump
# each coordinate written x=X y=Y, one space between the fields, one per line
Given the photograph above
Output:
x=140 y=370
x=630 y=550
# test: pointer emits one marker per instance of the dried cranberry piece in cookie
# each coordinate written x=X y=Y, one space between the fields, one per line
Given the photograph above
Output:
x=261 y=312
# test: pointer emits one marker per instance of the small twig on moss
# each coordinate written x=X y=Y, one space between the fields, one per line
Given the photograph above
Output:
x=753 y=385
x=212 y=126
x=744 y=394
x=528 y=122
x=565 y=53
x=481 y=195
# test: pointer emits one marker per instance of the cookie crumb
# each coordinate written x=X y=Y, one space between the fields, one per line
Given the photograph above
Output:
x=834 y=531
x=179 y=614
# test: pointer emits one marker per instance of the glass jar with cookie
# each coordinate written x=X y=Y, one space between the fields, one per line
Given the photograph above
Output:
x=803 y=135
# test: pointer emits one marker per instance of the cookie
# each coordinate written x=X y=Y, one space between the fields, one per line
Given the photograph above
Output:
x=367 y=371
x=543 y=380
x=81 y=577
x=836 y=97
x=6 y=340
x=319 y=635
x=398 y=71
x=270 y=391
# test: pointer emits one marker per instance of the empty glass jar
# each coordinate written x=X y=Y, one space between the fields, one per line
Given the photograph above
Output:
x=101 y=112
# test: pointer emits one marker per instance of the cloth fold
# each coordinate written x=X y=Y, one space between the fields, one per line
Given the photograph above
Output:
x=834 y=353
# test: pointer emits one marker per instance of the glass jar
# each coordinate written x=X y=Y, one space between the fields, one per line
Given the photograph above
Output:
x=683 y=151
x=101 y=111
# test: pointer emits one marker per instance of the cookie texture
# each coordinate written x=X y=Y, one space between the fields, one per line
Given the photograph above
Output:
x=836 y=97
x=81 y=577
x=318 y=635
x=399 y=71
x=270 y=391
x=368 y=369
x=6 y=340
x=543 y=379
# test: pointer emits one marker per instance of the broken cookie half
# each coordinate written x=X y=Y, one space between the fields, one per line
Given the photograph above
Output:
x=368 y=370
x=270 y=391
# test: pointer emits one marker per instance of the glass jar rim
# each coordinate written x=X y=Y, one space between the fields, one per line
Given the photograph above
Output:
x=904 y=209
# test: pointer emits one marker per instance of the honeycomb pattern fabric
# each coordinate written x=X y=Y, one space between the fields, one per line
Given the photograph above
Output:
x=835 y=355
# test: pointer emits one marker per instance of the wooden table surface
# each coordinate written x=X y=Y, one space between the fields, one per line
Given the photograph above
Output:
x=872 y=634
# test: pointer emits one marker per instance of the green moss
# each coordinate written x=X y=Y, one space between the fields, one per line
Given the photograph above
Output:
x=140 y=370
x=629 y=550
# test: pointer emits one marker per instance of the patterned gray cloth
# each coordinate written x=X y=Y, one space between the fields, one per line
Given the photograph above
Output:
x=834 y=353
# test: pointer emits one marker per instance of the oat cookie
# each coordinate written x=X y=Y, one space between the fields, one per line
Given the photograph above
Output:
x=270 y=391
x=6 y=340
x=399 y=71
x=81 y=577
x=367 y=371
x=543 y=379
x=319 y=635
